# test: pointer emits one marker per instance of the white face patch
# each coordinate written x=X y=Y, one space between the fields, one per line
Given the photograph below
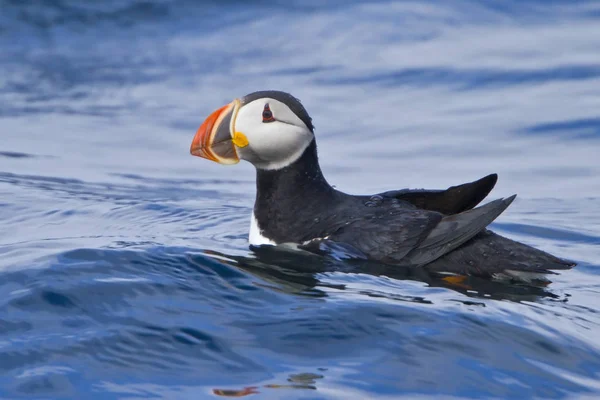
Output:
x=255 y=237
x=271 y=145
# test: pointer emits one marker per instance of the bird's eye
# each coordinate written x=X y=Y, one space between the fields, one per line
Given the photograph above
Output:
x=267 y=114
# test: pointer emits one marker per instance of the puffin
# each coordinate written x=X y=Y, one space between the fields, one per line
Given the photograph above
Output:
x=442 y=231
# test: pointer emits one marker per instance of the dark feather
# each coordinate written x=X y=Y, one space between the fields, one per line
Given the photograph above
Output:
x=453 y=200
x=489 y=254
x=410 y=237
x=455 y=230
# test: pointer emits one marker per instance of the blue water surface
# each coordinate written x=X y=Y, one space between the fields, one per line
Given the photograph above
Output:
x=125 y=270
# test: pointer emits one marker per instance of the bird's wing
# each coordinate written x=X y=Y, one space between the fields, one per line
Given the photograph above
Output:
x=454 y=200
x=455 y=230
x=396 y=235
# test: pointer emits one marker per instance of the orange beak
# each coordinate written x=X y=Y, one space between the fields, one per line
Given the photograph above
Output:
x=213 y=139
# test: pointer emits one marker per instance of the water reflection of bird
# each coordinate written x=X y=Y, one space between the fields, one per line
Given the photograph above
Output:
x=295 y=381
x=433 y=230
x=290 y=271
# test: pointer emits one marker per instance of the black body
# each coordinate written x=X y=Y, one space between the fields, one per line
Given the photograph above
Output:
x=435 y=229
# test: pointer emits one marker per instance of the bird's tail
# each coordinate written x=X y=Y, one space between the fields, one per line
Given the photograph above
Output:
x=491 y=255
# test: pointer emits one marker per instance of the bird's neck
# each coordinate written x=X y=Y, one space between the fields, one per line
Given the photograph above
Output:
x=297 y=187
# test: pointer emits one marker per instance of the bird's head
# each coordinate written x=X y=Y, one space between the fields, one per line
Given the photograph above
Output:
x=270 y=129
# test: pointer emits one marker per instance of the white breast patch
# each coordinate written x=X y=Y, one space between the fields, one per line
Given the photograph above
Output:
x=255 y=237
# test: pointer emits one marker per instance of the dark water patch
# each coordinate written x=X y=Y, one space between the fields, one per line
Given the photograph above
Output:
x=60 y=12
x=177 y=181
x=95 y=111
x=172 y=312
x=586 y=128
x=511 y=7
x=548 y=233
x=468 y=79
x=305 y=70
x=563 y=172
x=51 y=77
x=130 y=194
x=14 y=154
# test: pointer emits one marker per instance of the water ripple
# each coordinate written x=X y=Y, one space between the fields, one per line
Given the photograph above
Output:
x=125 y=265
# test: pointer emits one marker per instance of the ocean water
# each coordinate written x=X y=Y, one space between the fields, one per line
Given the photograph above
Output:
x=125 y=271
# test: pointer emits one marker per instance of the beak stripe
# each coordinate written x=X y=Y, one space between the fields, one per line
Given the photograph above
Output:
x=213 y=140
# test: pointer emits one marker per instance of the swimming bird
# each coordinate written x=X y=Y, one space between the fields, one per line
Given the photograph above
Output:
x=441 y=230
